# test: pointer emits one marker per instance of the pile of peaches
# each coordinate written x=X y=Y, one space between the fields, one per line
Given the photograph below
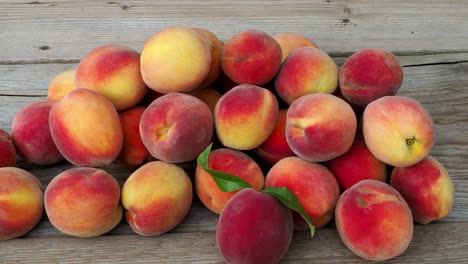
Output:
x=330 y=136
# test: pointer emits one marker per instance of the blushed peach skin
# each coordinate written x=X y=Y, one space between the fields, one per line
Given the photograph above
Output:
x=374 y=221
x=207 y=95
x=254 y=227
x=276 y=146
x=113 y=71
x=31 y=134
x=398 y=130
x=133 y=151
x=369 y=74
x=229 y=161
x=216 y=51
x=60 y=85
x=156 y=198
x=356 y=164
x=427 y=188
x=245 y=116
x=21 y=202
x=86 y=129
x=7 y=150
x=320 y=127
x=83 y=202
x=176 y=59
x=312 y=183
x=306 y=71
x=176 y=127
x=289 y=41
x=251 y=57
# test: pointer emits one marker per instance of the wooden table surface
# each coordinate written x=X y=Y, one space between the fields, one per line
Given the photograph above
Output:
x=39 y=39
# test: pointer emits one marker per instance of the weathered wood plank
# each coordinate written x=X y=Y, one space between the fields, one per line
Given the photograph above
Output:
x=441 y=243
x=34 y=79
x=65 y=30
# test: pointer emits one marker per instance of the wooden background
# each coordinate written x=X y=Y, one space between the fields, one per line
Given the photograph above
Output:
x=39 y=39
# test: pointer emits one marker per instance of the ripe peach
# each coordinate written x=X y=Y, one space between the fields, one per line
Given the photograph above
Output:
x=216 y=50
x=313 y=184
x=245 y=116
x=86 y=129
x=113 y=71
x=133 y=151
x=374 y=221
x=7 y=150
x=31 y=134
x=176 y=59
x=320 y=127
x=290 y=41
x=229 y=161
x=370 y=74
x=62 y=84
x=306 y=71
x=207 y=95
x=427 y=188
x=156 y=198
x=254 y=227
x=355 y=165
x=398 y=130
x=276 y=147
x=176 y=127
x=251 y=57
x=21 y=202
x=83 y=202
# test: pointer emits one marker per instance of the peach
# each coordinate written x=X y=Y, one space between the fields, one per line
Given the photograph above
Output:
x=254 y=227
x=229 y=161
x=312 y=183
x=370 y=74
x=176 y=59
x=355 y=165
x=427 y=188
x=156 y=198
x=133 y=151
x=374 y=221
x=251 y=57
x=398 y=130
x=306 y=70
x=86 y=129
x=113 y=71
x=207 y=95
x=216 y=50
x=7 y=150
x=245 y=116
x=60 y=85
x=276 y=147
x=21 y=202
x=83 y=202
x=31 y=134
x=289 y=41
x=176 y=127
x=320 y=127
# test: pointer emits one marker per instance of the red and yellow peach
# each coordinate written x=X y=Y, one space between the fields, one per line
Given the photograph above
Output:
x=228 y=161
x=374 y=221
x=427 y=188
x=21 y=202
x=156 y=198
x=113 y=71
x=83 y=202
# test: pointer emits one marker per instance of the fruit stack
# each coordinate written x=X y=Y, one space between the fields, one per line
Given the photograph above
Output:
x=330 y=137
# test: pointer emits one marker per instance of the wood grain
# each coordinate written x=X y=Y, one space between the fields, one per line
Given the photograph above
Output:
x=442 y=243
x=43 y=31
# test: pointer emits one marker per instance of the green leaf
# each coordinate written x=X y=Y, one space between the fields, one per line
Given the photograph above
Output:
x=290 y=200
x=225 y=181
